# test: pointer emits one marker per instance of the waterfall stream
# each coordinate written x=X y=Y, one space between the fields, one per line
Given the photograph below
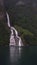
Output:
x=15 y=40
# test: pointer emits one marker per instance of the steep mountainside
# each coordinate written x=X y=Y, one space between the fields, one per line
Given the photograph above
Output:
x=4 y=29
x=25 y=16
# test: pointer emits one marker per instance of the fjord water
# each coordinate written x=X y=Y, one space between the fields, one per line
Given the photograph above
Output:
x=18 y=55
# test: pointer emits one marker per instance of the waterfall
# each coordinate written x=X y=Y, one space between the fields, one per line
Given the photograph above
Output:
x=14 y=38
x=8 y=19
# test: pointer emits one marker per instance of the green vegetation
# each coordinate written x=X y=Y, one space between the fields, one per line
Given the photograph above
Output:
x=25 y=35
x=25 y=21
x=4 y=29
x=4 y=33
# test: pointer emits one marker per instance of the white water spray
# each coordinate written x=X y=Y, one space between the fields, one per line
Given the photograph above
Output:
x=13 y=37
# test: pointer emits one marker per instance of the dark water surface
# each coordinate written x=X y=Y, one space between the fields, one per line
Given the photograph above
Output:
x=18 y=56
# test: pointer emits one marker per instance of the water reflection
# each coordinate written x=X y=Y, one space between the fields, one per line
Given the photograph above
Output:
x=18 y=56
x=15 y=54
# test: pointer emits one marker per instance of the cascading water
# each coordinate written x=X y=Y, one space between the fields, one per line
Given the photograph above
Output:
x=8 y=20
x=13 y=38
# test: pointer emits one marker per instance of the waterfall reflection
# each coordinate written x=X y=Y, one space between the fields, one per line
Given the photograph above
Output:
x=15 y=54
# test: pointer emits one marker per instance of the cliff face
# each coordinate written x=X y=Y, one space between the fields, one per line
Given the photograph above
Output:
x=2 y=12
x=4 y=29
x=4 y=33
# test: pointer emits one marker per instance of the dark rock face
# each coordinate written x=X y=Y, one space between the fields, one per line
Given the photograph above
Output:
x=4 y=29
x=4 y=33
x=1 y=2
